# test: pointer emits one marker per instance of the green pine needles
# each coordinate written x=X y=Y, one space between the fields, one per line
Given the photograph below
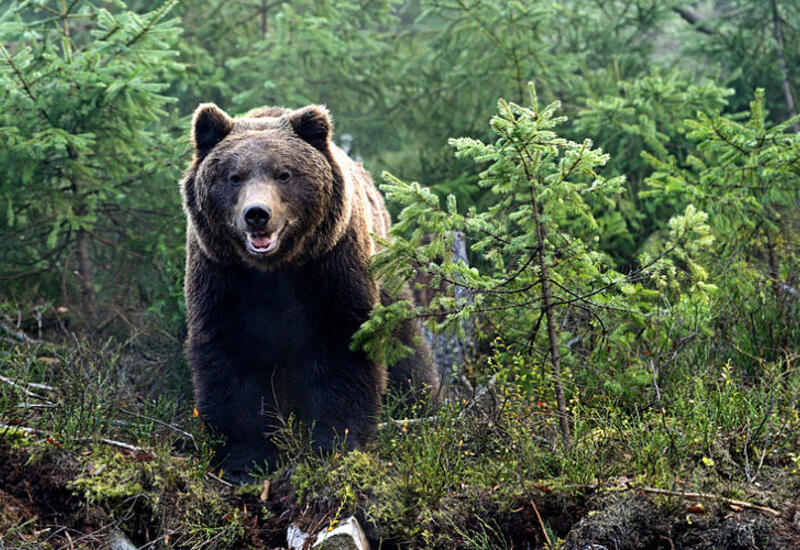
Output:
x=85 y=156
x=745 y=172
x=540 y=282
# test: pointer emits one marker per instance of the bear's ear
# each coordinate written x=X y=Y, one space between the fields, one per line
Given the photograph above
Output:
x=313 y=124
x=210 y=125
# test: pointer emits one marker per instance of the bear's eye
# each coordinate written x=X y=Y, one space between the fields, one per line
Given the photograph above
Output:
x=235 y=179
x=284 y=175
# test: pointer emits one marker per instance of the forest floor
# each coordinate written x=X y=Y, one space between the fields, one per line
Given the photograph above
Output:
x=99 y=441
x=41 y=508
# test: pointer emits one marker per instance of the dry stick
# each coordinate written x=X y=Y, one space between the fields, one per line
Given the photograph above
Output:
x=38 y=386
x=217 y=478
x=17 y=334
x=161 y=423
x=119 y=444
x=541 y=524
x=112 y=442
x=697 y=496
x=22 y=388
x=407 y=421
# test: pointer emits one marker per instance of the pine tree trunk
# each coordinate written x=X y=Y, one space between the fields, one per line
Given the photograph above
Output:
x=555 y=355
x=787 y=90
x=772 y=262
x=85 y=273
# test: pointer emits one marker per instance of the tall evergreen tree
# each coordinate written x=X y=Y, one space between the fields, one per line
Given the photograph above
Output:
x=89 y=166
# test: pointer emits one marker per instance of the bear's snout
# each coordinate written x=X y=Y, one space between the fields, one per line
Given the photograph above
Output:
x=261 y=215
x=256 y=217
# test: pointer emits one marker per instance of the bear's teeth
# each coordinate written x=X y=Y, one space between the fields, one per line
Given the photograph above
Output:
x=262 y=242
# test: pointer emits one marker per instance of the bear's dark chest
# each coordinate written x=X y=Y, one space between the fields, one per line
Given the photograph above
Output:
x=272 y=317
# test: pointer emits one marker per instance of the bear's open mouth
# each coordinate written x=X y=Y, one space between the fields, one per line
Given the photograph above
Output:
x=262 y=242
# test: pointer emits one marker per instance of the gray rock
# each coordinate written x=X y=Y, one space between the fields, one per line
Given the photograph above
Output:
x=295 y=537
x=451 y=349
x=117 y=540
x=347 y=536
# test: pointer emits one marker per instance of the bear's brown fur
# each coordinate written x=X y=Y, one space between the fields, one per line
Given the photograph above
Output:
x=280 y=225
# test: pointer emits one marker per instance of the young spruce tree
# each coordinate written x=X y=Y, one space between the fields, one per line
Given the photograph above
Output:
x=88 y=169
x=745 y=172
x=542 y=286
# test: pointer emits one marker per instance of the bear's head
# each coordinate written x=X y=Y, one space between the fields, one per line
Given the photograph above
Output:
x=265 y=189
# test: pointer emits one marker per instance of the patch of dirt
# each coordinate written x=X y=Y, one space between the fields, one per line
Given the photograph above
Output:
x=624 y=524
x=521 y=527
x=634 y=522
x=283 y=509
x=35 y=488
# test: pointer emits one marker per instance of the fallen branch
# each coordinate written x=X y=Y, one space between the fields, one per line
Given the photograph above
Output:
x=122 y=445
x=217 y=478
x=160 y=422
x=18 y=335
x=6 y=427
x=119 y=444
x=710 y=496
x=407 y=421
x=38 y=386
x=689 y=495
x=541 y=524
x=22 y=388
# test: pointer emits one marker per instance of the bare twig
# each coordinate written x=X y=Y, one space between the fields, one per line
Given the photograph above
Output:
x=541 y=524
x=38 y=386
x=407 y=421
x=6 y=428
x=107 y=441
x=217 y=478
x=710 y=496
x=119 y=444
x=22 y=388
x=18 y=334
x=162 y=423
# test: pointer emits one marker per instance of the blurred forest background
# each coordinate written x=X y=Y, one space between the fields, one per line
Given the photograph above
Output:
x=635 y=297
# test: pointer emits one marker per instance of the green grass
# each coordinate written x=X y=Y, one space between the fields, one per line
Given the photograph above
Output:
x=466 y=472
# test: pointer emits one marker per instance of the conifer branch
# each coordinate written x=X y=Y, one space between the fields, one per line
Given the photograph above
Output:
x=23 y=82
x=694 y=20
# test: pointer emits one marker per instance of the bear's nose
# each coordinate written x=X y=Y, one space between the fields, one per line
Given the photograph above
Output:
x=256 y=217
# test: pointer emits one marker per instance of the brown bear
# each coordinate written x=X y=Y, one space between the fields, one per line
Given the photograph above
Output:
x=279 y=238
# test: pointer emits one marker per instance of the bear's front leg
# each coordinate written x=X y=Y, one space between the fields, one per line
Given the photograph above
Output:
x=236 y=405
x=344 y=400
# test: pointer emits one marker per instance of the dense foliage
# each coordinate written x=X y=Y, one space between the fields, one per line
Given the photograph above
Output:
x=626 y=174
